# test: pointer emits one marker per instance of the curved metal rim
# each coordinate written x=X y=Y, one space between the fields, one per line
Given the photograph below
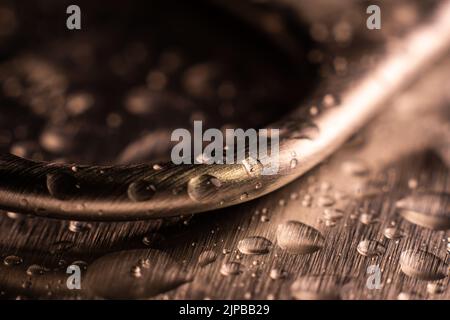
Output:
x=100 y=193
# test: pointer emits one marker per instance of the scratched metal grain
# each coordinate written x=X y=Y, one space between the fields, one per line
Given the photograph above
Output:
x=406 y=142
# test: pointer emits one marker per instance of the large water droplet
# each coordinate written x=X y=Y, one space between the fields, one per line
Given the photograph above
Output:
x=422 y=265
x=141 y=191
x=203 y=187
x=161 y=274
x=371 y=248
x=429 y=210
x=296 y=237
x=61 y=185
x=254 y=245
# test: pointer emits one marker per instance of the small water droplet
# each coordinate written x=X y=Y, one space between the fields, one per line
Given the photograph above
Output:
x=368 y=218
x=207 y=257
x=435 y=288
x=422 y=265
x=332 y=216
x=243 y=196
x=294 y=163
x=429 y=210
x=371 y=248
x=141 y=191
x=298 y=238
x=253 y=166
x=355 y=167
x=204 y=187
x=409 y=296
x=254 y=245
x=277 y=274
x=35 y=270
x=393 y=233
x=62 y=186
x=325 y=201
x=136 y=272
x=78 y=226
x=12 y=261
x=231 y=268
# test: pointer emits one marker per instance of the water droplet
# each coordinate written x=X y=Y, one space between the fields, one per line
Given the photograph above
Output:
x=422 y=265
x=323 y=287
x=413 y=183
x=435 y=288
x=294 y=163
x=429 y=210
x=231 y=268
x=355 y=167
x=409 y=296
x=207 y=257
x=393 y=233
x=163 y=274
x=12 y=261
x=62 y=186
x=243 y=196
x=371 y=248
x=254 y=245
x=332 y=216
x=152 y=239
x=136 y=272
x=78 y=226
x=325 y=201
x=35 y=270
x=298 y=238
x=203 y=187
x=253 y=166
x=141 y=191
x=329 y=101
x=277 y=274
x=157 y=167
x=368 y=218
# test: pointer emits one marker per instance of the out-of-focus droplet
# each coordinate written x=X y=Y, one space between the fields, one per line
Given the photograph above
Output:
x=323 y=287
x=231 y=268
x=429 y=210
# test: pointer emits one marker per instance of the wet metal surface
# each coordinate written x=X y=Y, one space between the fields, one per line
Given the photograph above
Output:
x=365 y=118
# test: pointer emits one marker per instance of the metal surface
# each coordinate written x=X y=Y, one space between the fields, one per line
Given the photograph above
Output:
x=86 y=193
x=380 y=198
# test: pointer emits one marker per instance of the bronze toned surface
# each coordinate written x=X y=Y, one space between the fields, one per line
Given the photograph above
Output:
x=381 y=199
